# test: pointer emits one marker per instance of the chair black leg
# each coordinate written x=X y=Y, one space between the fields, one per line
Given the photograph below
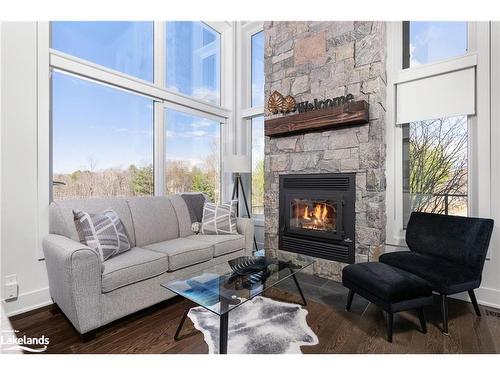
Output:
x=421 y=316
x=350 y=296
x=474 y=302
x=444 y=311
x=390 y=318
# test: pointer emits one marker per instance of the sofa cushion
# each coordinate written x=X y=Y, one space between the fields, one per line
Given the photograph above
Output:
x=61 y=215
x=183 y=215
x=131 y=267
x=154 y=220
x=444 y=276
x=183 y=252
x=225 y=244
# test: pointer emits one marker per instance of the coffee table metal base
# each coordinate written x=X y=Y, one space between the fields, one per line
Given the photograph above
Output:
x=223 y=329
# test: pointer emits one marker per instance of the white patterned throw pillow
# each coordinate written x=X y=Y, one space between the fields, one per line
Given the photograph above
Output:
x=196 y=227
x=103 y=232
x=219 y=219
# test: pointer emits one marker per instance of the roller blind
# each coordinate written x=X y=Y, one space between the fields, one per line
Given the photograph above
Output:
x=443 y=95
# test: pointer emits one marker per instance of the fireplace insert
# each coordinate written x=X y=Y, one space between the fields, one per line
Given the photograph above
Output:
x=316 y=215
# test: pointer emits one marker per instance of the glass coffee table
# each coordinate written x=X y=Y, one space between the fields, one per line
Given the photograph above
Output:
x=224 y=287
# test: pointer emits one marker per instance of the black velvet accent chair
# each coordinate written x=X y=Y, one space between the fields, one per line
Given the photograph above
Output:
x=447 y=251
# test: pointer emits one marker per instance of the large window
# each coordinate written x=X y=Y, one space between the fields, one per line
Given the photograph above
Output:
x=112 y=134
x=428 y=42
x=193 y=60
x=192 y=146
x=435 y=166
x=102 y=143
x=123 y=46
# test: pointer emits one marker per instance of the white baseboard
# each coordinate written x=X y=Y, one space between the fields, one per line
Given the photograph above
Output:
x=28 y=301
x=485 y=296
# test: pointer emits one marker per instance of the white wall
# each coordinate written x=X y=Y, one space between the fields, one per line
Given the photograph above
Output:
x=19 y=224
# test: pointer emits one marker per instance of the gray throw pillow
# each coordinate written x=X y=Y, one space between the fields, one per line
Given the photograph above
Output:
x=103 y=232
x=195 y=202
x=219 y=219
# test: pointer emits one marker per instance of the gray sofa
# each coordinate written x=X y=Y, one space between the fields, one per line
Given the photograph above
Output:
x=92 y=293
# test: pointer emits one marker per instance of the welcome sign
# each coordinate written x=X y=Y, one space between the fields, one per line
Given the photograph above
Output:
x=277 y=103
x=327 y=103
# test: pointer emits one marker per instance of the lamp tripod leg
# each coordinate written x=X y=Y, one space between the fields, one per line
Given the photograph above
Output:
x=236 y=188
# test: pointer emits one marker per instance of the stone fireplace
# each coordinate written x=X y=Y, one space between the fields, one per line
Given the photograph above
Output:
x=310 y=60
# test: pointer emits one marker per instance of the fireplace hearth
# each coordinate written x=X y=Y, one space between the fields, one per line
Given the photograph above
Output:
x=316 y=215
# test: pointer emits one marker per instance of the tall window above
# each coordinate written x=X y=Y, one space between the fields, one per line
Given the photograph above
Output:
x=123 y=46
x=258 y=69
x=435 y=157
x=193 y=60
x=256 y=96
x=192 y=145
x=102 y=140
x=426 y=42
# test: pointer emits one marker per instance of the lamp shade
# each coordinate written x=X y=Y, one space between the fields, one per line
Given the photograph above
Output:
x=237 y=164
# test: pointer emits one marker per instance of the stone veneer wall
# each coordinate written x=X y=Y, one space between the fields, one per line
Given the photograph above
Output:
x=324 y=60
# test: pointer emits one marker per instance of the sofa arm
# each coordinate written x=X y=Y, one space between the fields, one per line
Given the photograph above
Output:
x=74 y=272
x=246 y=227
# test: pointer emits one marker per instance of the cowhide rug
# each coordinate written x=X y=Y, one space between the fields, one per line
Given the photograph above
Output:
x=259 y=326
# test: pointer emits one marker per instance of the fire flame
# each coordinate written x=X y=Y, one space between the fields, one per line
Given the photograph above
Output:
x=319 y=213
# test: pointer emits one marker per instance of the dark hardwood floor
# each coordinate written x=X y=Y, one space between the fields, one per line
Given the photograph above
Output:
x=360 y=331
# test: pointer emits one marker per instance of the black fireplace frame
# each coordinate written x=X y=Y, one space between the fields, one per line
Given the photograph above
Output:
x=318 y=195
x=340 y=187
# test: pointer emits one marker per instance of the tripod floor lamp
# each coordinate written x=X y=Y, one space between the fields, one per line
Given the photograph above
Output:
x=238 y=165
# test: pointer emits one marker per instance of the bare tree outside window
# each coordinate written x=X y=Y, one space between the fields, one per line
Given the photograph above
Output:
x=110 y=182
x=435 y=166
x=204 y=177
x=258 y=165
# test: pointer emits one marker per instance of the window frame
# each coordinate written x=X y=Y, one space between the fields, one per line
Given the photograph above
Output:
x=244 y=107
x=478 y=125
x=49 y=59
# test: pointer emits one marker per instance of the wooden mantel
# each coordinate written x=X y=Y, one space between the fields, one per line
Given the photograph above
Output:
x=353 y=113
